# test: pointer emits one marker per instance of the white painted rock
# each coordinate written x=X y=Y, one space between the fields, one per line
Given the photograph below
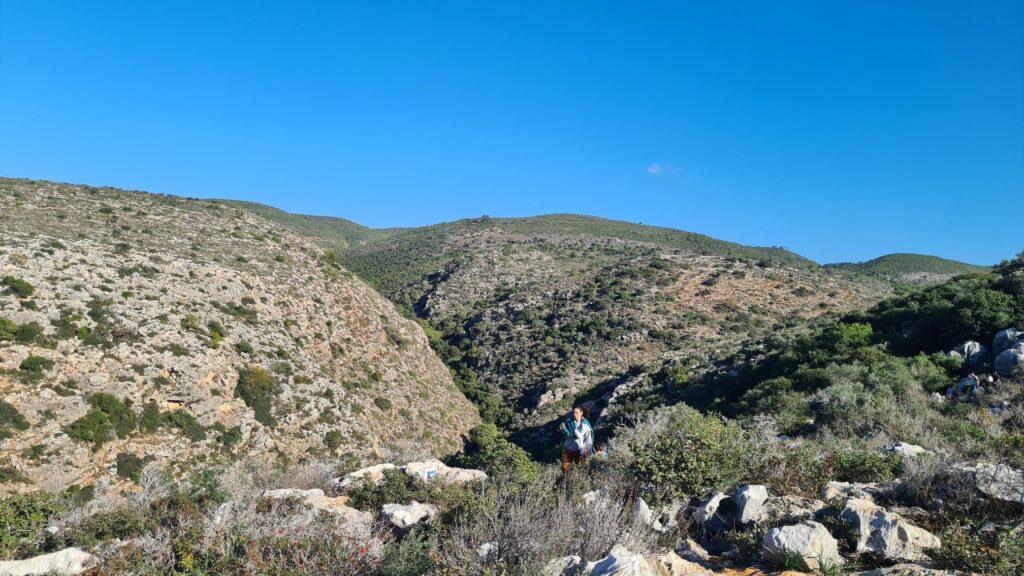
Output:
x=808 y=539
x=66 y=561
x=405 y=515
x=887 y=533
x=433 y=469
x=750 y=500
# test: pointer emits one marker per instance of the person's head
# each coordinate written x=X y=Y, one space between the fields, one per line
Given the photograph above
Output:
x=578 y=413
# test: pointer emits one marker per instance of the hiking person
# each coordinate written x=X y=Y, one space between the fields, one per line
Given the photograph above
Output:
x=579 y=439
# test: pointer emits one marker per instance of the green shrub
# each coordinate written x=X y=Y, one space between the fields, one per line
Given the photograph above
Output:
x=94 y=427
x=243 y=347
x=230 y=437
x=10 y=475
x=119 y=414
x=129 y=466
x=8 y=329
x=10 y=420
x=18 y=287
x=488 y=450
x=332 y=440
x=997 y=551
x=396 y=486
x=691 y=454
x=863 y=465
x=187 y=423
x=122 y=524
x=35 y=365
x=149 y=422
x=24 y=516
x=257 y=389
x=411 y=556
x=382 y=403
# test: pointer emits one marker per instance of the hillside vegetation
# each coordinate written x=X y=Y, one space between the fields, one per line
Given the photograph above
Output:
x=917 y=269
x=138 y=328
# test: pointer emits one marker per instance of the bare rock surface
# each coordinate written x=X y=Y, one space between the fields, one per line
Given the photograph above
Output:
x=809 y=539
x=64 y=562
x=886 y=533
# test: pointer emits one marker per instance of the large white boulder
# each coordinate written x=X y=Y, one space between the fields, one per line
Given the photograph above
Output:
x=809 y=539
x=63 y=562
x=405 y=515
x=973 y=353
x=750 y=501
x=429 y=470
x=908 y=450
x=887 y=534
x=373 y=474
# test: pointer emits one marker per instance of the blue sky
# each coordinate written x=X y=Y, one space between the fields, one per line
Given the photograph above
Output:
x=841 y=130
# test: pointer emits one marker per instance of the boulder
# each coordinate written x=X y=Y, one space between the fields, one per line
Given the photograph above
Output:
x=66 y=561
x=692 y=551
x=621 y=562
x=316 y=500
x=867 y=491
x=405 y=515
x=908 y=450
x=485 y=550
x=750 y=503
x=809 y=539
x=973 y=353
x=707 y=510
x=997 y=482
x=887 y=534
x=793 y=509
x=967 y=385
x=1005 y=339
x=433 y=469
x=564 y=566
x=373 y=474
x=1010 y=362
x=674 y=565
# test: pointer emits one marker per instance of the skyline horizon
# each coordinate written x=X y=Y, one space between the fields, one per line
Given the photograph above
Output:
x=526 y=216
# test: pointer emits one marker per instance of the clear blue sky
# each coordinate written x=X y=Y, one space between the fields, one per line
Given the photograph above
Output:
x=841 y=130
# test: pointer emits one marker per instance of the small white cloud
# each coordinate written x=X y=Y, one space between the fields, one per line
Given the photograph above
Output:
x=664 y=167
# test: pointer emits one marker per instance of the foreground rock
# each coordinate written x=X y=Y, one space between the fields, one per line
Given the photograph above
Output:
x=317 y=501
x=995 y=482
x=809 y=539
x=973 y=353
x=839 y=491
x=1005 y=339
x=372 y=474
x=66 y=561
x=405 y=515
x=622 y=562
x=887 y=534
x=750 y=501
x=1010 y=362
x=428 y=470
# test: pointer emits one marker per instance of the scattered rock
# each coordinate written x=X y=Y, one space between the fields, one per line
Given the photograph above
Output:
x=621 y=562
x=1005 y=339
x=887 y=534
x=909 y=570
x=485 y=550
x=405 y=515
x=373 y=474
x=809 y=539
x=674 y=565
x=433 y=469
x=973 y=353
x=908 y=450
x=750 y=501
x=316 y=500
x=706 y=511
x=867 y=491
x=994 y=481
x=1010 y=362
x=564 y=566
x=66 y=561
x=690 y=550
x=793 y=509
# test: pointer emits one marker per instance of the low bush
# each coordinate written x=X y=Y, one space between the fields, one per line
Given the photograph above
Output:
x=488 y=450
x=129 y=466
x=11 y=420
x=18 y=287
x=257 y=389
x=23 y=517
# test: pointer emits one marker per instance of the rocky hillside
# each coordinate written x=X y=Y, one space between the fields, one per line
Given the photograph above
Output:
x=138 y=327
x=534 y=313
x=915 y=269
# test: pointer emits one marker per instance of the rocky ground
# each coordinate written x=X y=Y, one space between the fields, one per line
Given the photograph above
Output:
x=126 y=320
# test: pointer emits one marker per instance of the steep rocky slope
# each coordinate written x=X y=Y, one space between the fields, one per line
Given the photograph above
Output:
x=534 y=313
x=139 y=327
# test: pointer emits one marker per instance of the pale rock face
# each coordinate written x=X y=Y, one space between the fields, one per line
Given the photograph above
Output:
x=373 y=474
x=674 y=565
x=809 y=539
x=404 y=516
x=751 y=503
x=429 y=470
x=843 y=490
x=65 y=562
x=886 y=533
x=621 y=562
x=794 y=508
x=995 y=481
x=707 y=510
x=908 y=450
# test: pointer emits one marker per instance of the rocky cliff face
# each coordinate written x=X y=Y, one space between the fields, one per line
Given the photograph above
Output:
x=139 y=327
